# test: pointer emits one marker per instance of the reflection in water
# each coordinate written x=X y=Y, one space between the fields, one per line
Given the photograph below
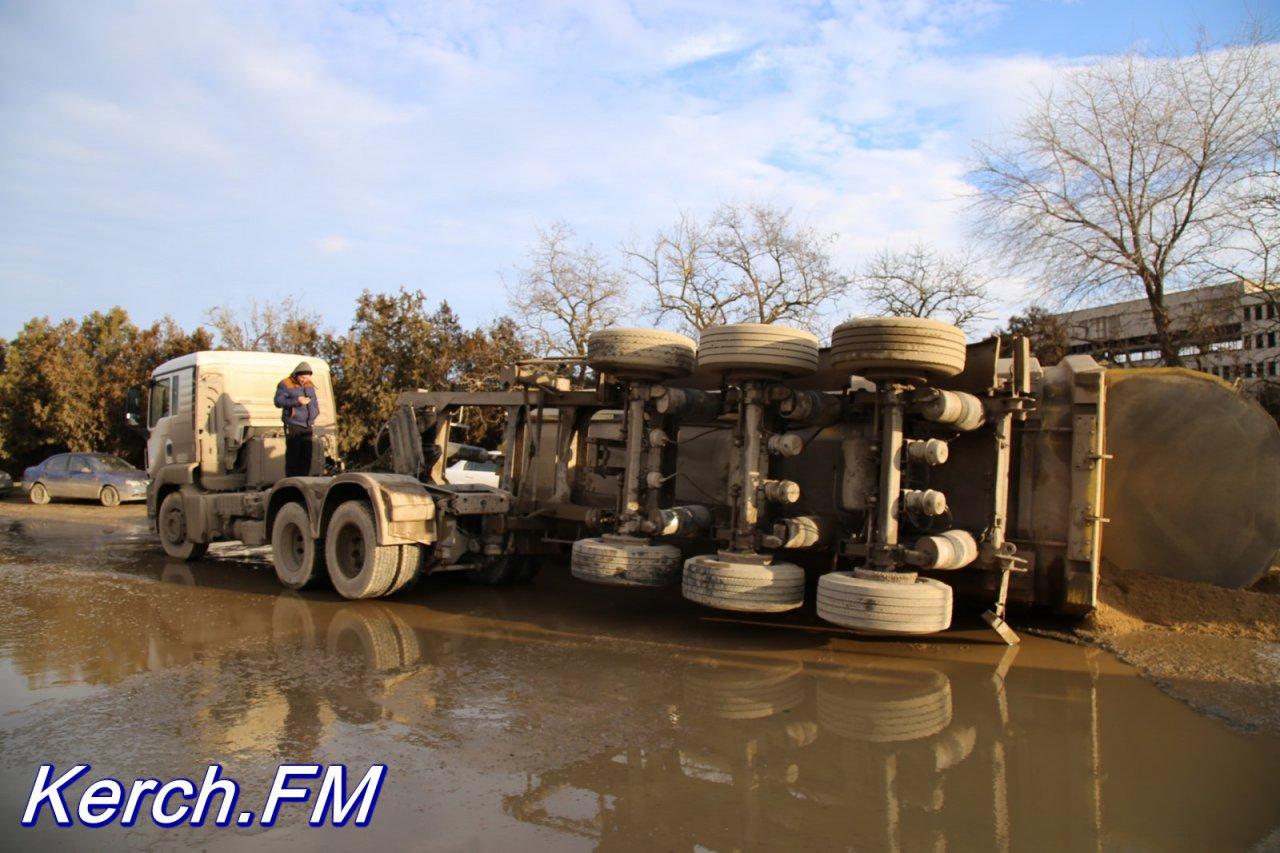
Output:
x=569 y=721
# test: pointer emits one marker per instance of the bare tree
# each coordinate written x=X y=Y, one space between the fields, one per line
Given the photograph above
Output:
x=687 y=285
x=921 y=281
x=284 y=326
x=565 y=293
x=747 y=264
x=1123 y=178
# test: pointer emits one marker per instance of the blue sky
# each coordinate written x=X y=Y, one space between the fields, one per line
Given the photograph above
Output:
x=169 y=156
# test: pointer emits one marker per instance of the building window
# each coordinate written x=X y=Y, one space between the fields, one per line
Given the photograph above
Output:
x=1257 y=312
x=1271 y=310
x=1248 y=341
x=1258 y=341
x=1271 y=368
x=1271 y=339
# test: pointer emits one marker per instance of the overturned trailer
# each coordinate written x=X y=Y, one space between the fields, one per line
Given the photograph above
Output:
x=879 y=477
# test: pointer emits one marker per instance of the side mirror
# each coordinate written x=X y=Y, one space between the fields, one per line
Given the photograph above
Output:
x=133 y=407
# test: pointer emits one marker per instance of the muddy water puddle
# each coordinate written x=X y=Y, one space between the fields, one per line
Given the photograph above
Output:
x=562 y=715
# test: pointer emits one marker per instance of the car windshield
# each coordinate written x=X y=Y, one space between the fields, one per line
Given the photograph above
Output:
x=112 y=463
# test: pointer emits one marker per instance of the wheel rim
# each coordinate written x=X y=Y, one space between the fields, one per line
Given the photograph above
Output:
x=350 y=547
x=110 y=496
x=174 y=528
x=39 y=493
x=293 y=554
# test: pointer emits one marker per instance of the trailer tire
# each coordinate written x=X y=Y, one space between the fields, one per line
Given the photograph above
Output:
x=297 y=557
x=358 y=566
x=625 y=561
x=872 y=606
x=757 y=351
x=737 y=693
x=898 y=345
x=887 y=706
x=39 y=494
x=745 y=587
x=507 y=570
x=641 y=353
x=171 y=524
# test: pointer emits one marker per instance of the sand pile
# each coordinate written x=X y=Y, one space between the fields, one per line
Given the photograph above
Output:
x=1216 y=649
x=1135 y=601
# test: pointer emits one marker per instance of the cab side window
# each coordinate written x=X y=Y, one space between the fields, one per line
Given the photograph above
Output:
x=162 y=399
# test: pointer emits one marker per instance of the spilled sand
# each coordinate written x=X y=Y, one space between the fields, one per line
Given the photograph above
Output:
x=1216 y=649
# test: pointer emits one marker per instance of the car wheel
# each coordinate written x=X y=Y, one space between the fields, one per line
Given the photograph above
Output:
x=109 y=496
x=39 y=494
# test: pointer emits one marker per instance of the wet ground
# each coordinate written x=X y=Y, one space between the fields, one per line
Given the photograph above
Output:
x=561 y=715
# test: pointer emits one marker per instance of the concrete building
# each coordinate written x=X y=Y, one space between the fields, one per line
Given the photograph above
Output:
x=1229 y=330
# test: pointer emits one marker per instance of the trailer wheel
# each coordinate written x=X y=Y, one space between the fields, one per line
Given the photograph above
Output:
x=505 y=570
x=297 y=557
x=625 y=561
x=757 y=351
x=39 y=494
x=738 y=693
x=358 y=566
x=641 y=353
x=741 y=586
x=109 y=496
x=911 y=346
x=171 y=524
x=860 y=601
x=885 y=706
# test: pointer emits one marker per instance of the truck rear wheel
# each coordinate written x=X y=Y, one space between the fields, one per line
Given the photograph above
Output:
x=171 y=524
x=408 y=568
x=297 y=557
x=358 y=566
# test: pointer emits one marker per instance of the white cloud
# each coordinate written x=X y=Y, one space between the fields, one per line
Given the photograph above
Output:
x=206 y=144
x=332 y=244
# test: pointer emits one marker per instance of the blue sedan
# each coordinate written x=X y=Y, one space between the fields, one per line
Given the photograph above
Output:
x=94 y=476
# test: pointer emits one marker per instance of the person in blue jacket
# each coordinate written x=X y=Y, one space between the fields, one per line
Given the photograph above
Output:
x=296 y=398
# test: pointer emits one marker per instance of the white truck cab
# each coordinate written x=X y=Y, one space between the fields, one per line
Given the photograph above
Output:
x=216 y=410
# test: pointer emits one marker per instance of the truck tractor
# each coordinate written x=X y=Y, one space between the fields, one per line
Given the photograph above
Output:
x=880 y=477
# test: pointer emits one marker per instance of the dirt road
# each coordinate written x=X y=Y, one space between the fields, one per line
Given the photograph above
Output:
x=562 y=715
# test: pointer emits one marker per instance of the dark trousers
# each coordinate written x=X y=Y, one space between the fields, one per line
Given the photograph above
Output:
x=297 y=451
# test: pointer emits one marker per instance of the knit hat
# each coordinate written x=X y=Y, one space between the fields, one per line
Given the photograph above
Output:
x=302 y=367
